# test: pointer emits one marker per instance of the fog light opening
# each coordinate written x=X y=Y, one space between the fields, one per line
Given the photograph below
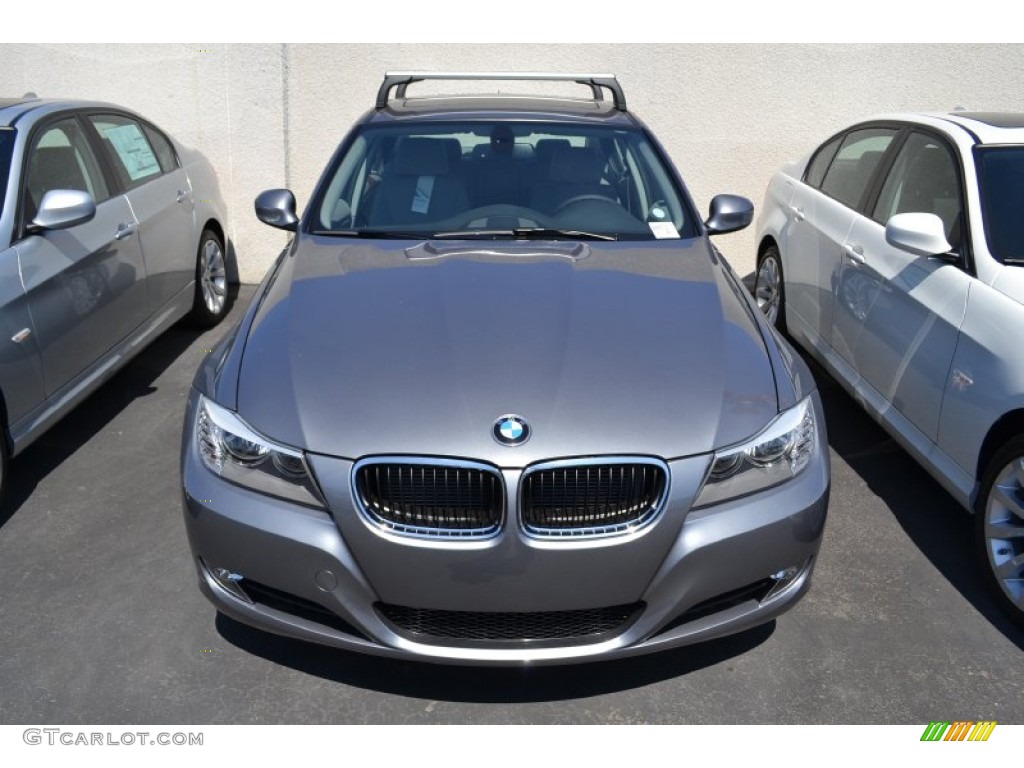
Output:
x=783 y=580
x=230 y=582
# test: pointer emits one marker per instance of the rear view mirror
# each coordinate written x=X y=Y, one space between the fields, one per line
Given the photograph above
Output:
x=922 y=234
x=63 y=208
x=276 y=207
x=728 y=213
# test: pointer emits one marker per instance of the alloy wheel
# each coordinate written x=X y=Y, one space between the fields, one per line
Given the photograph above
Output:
x=768 y=288
x=1004 y=530
x=213 y=276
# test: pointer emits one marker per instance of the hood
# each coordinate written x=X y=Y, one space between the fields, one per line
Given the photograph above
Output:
x=604 y=348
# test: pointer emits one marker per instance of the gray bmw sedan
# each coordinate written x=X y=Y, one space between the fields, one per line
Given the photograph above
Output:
x=501 y=401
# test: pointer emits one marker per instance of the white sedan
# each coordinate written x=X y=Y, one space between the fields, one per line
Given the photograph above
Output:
x=894 y=254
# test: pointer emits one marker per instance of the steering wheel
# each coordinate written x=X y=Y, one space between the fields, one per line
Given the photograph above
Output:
x=583 y=199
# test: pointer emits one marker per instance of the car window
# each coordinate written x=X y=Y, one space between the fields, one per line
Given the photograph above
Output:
x=165 y=153
x=488 y=176
x=923 y=179
x=819 y=164
x=7 y=136
x=61 y=158
x=131 y=152
x=859 y=155
x=1001 y=182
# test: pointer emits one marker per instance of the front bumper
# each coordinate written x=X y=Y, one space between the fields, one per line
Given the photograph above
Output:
x=709 y=572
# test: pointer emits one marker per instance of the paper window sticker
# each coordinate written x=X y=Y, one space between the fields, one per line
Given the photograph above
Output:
x=421 y=198
x=663 y=230
x=134 y=151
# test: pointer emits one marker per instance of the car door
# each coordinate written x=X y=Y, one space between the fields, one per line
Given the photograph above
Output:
x=822 y=216
x=161 y=198
x=85 y=285
x=21 y=374
x=899 y=313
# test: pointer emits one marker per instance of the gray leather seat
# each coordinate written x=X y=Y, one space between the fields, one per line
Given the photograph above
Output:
x=574 y=171
x=420 y=186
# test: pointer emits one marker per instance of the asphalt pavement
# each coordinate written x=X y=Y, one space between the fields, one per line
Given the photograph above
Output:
x=102 y=621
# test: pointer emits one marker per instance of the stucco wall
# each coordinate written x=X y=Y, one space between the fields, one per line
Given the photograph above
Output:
x=729 y=115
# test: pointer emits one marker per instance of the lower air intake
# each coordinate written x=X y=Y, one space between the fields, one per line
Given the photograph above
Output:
x=489 y=627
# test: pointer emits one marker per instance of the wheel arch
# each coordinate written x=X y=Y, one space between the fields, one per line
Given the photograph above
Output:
x=1005 y=428
x=767 y=242
x=214 y=226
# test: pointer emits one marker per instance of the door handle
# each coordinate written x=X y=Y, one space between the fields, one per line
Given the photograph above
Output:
x=125 y=229
x=798 y=213
x=855 y=253
x=182 y=195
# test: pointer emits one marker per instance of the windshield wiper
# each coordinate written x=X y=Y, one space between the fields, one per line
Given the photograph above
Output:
x=574 y=234
x=1014 y=261
x=523 y=233
x=473 y=234
x=382 y=234
x=518 y=233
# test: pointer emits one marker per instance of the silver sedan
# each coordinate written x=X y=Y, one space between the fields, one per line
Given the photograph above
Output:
x=110 y=232
x=500 y=401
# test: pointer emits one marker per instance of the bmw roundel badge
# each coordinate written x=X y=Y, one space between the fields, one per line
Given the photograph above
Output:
x=511 y=430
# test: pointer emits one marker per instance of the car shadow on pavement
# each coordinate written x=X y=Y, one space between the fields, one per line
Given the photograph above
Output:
x=91 y=416
x=487 y=685
x=936 y=524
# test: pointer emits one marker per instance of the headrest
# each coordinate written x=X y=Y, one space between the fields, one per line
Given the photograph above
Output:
x=421 y=157
x=454 y=151
x=576 y=165
x=933 y=171
x=546 y=148
x=869 y=159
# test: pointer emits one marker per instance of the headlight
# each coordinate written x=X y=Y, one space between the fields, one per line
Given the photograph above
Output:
x=231 y=449
x=780 y=452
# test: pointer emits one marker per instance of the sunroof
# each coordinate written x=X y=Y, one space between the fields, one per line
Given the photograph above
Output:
x=996 y=119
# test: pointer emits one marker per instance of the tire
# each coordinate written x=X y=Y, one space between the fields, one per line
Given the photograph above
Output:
x=211 y=297
x=770 y=288
x=999 y=528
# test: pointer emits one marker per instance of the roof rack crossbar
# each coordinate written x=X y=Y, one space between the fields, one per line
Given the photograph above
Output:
x=399 y=81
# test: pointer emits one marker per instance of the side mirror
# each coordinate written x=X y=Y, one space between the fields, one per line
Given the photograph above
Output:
x=921 y=234
x=63 y=208
x=728 y=213
x=276 y=207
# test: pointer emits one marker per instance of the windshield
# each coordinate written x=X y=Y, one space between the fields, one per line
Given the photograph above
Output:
x=1001 y=179
x=6 y=145
x=499 y=179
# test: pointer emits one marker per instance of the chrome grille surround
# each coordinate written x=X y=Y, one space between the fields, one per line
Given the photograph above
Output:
x=429 y=498
x=620 y=495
